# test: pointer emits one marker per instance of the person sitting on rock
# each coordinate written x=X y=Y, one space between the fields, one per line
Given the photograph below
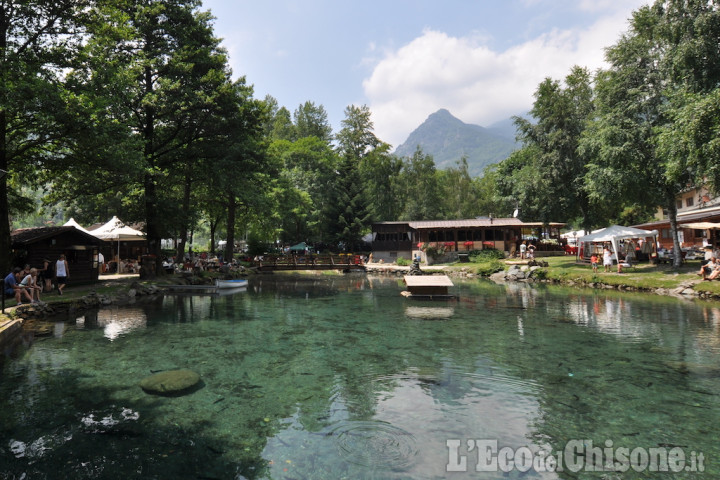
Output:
x=30 y=283
x=12 y=287
x=714 y=270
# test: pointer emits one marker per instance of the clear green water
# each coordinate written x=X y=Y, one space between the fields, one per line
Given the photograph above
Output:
x=342 y=378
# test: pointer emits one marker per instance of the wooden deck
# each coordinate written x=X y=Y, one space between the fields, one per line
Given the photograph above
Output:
x=310 y=262
x=429 y=286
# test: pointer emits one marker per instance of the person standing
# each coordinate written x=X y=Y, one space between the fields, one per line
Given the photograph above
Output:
x=523 y=249
x=607 y=259
x=101 y=263
x=62 y=273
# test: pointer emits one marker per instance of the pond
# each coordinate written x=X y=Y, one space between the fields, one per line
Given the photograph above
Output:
x=339 y=377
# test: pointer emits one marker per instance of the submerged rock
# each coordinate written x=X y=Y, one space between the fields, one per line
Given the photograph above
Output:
x=170 y=382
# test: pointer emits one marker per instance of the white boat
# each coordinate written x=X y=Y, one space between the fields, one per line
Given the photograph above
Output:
x=236 y=283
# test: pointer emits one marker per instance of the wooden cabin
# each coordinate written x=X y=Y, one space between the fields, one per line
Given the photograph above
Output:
x=33 y=245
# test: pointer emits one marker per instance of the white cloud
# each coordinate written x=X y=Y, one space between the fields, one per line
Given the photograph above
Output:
x=478 y=85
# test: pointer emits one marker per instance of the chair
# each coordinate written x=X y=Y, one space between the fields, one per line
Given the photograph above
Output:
x=629 y=262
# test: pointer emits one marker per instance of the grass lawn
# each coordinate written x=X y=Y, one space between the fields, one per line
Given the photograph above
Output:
x=644 y=275
x=564 y=269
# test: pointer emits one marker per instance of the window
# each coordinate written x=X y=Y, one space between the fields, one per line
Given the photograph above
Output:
x=678 y=204
x=689 y=202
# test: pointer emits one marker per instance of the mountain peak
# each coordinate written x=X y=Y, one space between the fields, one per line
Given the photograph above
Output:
x=448 y=139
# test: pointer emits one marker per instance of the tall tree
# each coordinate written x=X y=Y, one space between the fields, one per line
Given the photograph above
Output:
x=460 y=192
x=38 y=41
x=380 y=174
x=561 y=114
x=420 y=187
x=168 y=74
x=311 y=121
x=660 y=55
x=309 y=166
x=356 y=140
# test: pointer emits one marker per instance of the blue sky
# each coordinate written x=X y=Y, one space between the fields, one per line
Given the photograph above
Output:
x=405 y=59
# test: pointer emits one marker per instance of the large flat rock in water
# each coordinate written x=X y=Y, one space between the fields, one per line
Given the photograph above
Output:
x=170 y=382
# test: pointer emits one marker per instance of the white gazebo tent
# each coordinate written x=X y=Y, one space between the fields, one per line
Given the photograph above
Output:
x=614 y=234
x=115 y=229
x=73 y=223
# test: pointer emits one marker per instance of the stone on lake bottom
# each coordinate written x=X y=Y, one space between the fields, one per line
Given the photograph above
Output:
x=170 y=382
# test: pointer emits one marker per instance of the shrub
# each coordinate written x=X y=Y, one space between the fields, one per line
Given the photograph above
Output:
x=485 y=255
x=540 y=274
x=435 y=251
x=403 y=262
x=489 y=267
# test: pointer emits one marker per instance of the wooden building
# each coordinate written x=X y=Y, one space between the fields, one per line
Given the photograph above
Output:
x=33 y=245
x=391 y=240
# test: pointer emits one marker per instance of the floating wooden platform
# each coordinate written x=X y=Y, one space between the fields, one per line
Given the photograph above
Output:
x=428 y=287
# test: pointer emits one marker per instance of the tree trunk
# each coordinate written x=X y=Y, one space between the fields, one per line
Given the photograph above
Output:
x=5 y=241
x=672 y=216
x=230 y=245
x=186 y=217
x=152 y=226
x=213 y=227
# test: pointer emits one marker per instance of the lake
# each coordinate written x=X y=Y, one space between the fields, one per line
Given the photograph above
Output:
x=339 y=377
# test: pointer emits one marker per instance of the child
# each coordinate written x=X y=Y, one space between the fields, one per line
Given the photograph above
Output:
x=594 y=262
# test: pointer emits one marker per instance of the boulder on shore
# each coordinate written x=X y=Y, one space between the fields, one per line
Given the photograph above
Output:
x=170 y=382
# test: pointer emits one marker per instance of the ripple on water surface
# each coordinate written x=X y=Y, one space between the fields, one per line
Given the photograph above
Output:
x=375 y=444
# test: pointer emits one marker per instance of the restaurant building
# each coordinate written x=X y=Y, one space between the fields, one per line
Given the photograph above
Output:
x=451 y=238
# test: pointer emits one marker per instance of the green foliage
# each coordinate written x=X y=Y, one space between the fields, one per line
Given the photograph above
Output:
x=485 y=255
x=403 y=262
x=420 y=188
x=434 y=251
x=256 y=246
x=488 y=267
x=311 y=121
x=540 y=274
x=642 y=140
x=547 y=178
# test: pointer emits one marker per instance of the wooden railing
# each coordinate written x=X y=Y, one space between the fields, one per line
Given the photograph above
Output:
x=311 y=262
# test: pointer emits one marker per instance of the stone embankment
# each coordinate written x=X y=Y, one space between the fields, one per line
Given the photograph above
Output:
x=531 y=274
x=518 y=273
x=91 y=300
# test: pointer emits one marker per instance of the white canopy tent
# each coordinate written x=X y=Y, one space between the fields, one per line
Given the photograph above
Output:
x=115 y=229
x=614 y=234
x=73 y=223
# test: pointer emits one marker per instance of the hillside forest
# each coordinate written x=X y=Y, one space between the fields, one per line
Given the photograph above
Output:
x=129 y=108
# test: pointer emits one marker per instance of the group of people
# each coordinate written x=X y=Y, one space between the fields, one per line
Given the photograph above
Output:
x=710 y=268
x=29 y=282
x=527 y=251
x=608 y=258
